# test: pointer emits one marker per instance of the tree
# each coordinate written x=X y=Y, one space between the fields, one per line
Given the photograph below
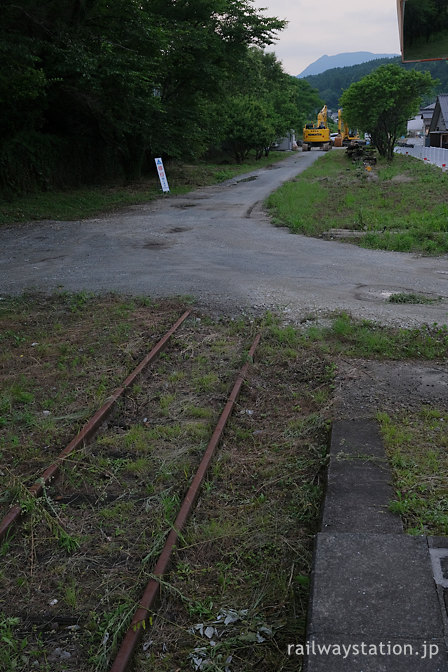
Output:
x=246 y=125
x=94 y=89
x=308 y=100
x=210 y=40
x=261 y=104
x=382 y=102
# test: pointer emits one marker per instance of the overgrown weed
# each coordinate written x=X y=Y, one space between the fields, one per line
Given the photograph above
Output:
x=417 y=449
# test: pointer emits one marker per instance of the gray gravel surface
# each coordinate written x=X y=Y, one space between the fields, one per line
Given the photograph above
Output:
x=363 y=387
x=218 y=245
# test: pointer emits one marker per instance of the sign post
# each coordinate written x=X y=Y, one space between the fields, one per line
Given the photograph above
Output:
x=162 y=176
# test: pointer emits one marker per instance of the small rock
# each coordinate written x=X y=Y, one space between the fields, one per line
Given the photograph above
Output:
x=60 y=654
x=209 y=632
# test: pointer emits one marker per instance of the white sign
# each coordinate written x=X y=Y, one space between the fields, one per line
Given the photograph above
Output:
x=162 y=176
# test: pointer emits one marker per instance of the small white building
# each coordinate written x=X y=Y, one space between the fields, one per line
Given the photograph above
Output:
x=419 y=125
x=287 y=143
x=416 y=126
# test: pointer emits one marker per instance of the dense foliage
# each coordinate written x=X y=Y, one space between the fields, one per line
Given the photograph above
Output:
x=382 y=102
x=425 y=24
x=95 y=89
x=262 y=104
x=331 y=83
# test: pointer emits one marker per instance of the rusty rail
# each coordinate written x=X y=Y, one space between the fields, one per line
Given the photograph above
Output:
x=151 y=592
x=89 y=429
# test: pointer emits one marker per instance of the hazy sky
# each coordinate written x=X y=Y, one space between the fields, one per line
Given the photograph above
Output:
x=331 y=27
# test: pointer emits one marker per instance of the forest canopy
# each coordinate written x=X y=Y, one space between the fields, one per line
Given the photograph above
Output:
x=92 y=90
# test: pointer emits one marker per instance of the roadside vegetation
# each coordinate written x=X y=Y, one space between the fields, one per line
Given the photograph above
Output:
x=366 y=339
x=241 y=576
x=399 y=206
x=417 y=449
x=72 y=204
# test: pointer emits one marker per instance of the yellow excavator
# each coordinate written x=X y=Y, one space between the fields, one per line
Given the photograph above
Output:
x=345 y=134
x=317 y=135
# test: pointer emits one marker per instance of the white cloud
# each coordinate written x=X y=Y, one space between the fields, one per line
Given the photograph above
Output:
x=330 y=27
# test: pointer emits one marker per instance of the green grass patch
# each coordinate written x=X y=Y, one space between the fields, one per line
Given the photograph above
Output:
x=417 y=449
x=60 y=358
x=401 y=206
x=403 y=297
x=363 y=338
x=87 y=202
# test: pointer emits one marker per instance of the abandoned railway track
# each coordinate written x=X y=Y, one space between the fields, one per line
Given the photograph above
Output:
x=102 y=521
x=64 y=508
x=89 y=429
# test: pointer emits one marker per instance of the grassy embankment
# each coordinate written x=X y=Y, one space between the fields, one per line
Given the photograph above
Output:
x=400 y=206
x=87 y=202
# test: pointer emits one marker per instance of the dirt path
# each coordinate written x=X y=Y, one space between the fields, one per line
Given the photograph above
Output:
x=218 y=245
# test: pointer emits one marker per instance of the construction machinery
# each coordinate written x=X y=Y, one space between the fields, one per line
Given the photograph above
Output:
x=345 y=134
x=317 y=135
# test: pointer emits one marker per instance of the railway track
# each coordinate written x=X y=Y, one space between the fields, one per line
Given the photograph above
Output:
x=102 y=489
x=102 y=521
x=88 y=431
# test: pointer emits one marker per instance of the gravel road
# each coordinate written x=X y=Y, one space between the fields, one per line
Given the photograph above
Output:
x=218 y=245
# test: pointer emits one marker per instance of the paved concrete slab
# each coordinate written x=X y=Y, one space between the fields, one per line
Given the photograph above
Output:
x=437 y=542
x=351 y=654
x=381 y=584
x=375 y=588
x=358 y=488
x=438 y=551
x=356 y=437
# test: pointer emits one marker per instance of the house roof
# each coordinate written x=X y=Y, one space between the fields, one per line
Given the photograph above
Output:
x=427 y=112
x=439 y=119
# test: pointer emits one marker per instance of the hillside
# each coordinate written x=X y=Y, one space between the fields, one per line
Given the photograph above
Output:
x=343 y=60
x=331 y=83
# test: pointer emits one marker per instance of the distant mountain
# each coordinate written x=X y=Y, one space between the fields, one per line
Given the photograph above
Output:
x=341 y=61
x=331 y=83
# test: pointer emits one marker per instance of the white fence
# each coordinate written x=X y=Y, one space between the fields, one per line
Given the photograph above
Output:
x=435 y=155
